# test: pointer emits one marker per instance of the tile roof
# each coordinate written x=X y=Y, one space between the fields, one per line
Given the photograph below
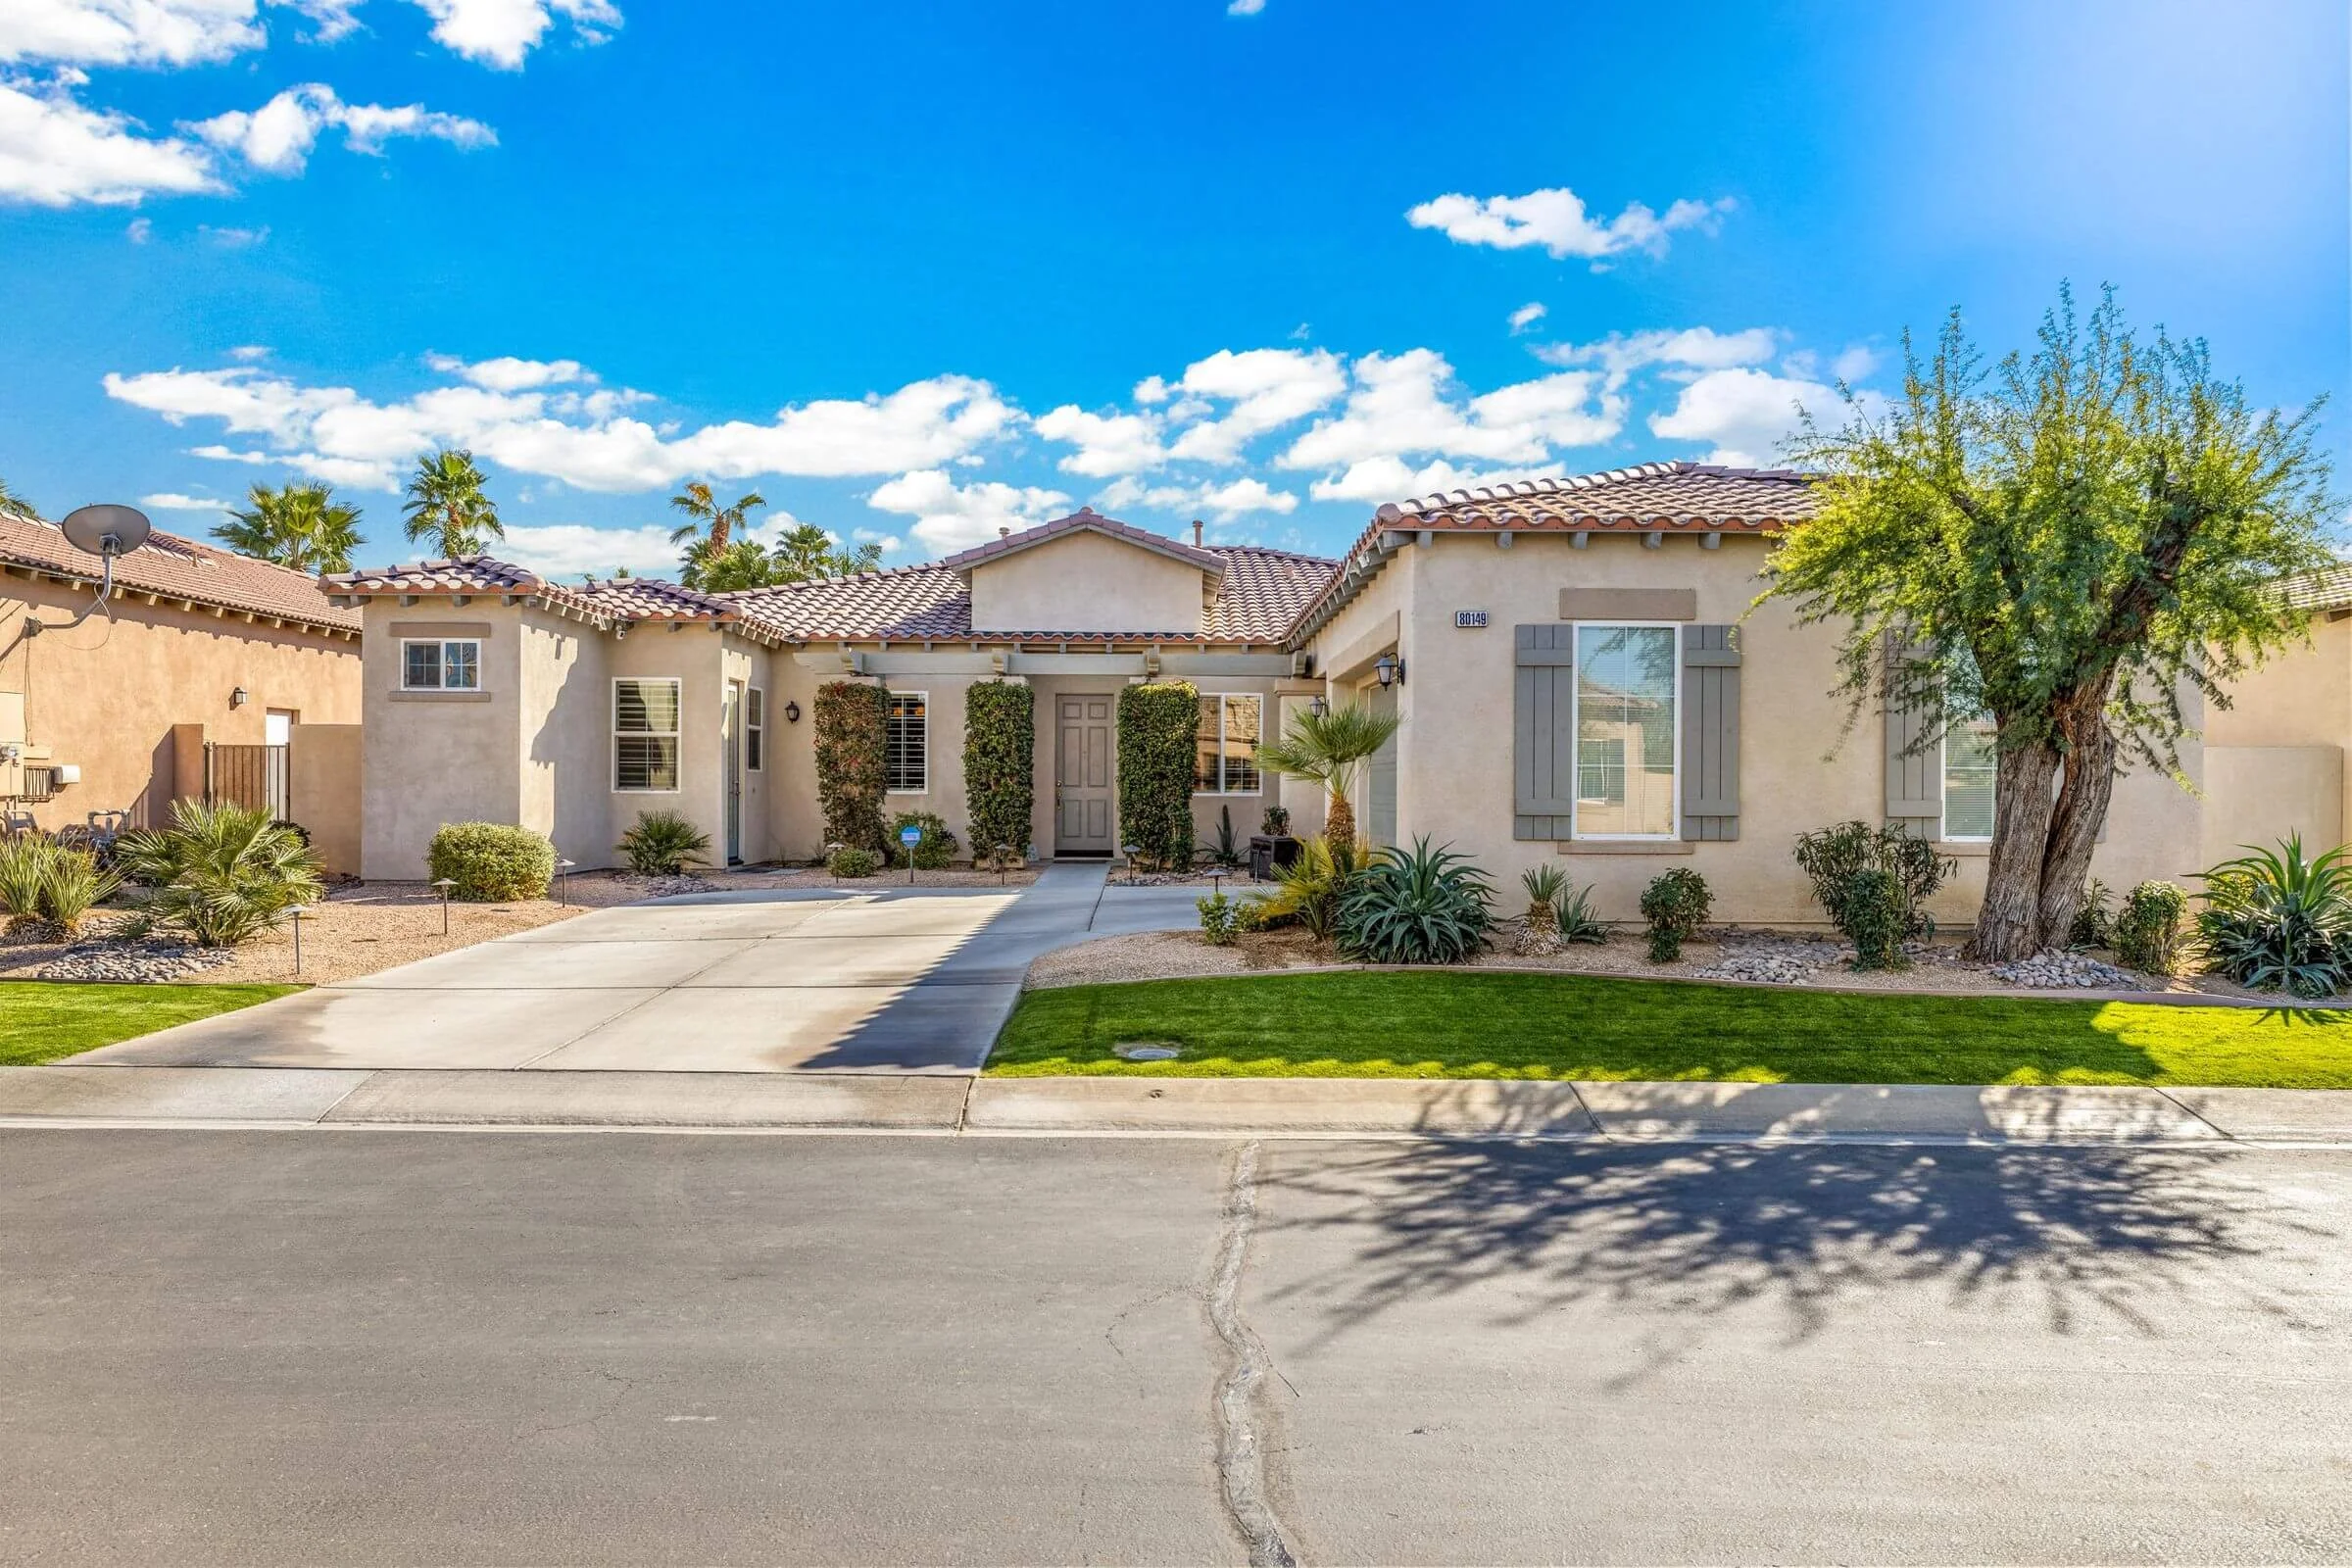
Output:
x=2330 y=589
x=1086 y=519
x=172 y=567
x=613 y=600
x=1264 y=592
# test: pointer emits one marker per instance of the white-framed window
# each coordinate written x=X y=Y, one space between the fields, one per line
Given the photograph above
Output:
x=1226 y=760
x=755 y=729
x=645 y=735
x=441 y=664
x=1628 y=732
x=1969 y=754
x=907 y=756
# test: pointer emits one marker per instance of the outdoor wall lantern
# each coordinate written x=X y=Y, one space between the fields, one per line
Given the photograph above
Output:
x=1318 y=706
x=239 y=698
x=1391 y=670
x=792 y=713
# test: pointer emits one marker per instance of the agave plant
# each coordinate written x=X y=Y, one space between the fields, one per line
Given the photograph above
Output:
x=1416 y=905
x=1308 y=891
x=2275 y=921
x=1576 y=920
x=221 y=873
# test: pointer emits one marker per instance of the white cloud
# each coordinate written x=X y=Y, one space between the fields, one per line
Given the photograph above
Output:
x=1745 y=413
x=501 y=33
x=1221 y=503
x=1108 y=443
x=574 y=549
x=1409 y=404
x=55 y=153
x=1267 y=388
x=172 y=501
x=1378 y=479
x=128 y=32
x=586 y=439
x=1854 y=362
x=249 y=353
x=1244 y=8
x=140 y=230
x=1692 y=348
x=950 y=517
x=1555 y=219
x=234 y=239
x=1527 y=316
x=509 y=374
x=278 y=136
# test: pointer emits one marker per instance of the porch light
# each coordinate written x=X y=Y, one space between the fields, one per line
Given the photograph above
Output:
x=239 y=698
x=1391 y=670
x=792 y=713
x=1318 y=706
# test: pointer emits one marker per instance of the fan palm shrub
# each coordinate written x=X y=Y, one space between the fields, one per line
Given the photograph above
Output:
x=299 y=527
x=1331 y=750
x=221 y=875
x=2275 y=921
x=1544 y=885
x=1416 y=905
x=1308 y=892
x=663 y=844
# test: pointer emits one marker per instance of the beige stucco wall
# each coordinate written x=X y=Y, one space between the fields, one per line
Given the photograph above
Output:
x=325 y=770
x=1798 y=769
x=105 y=694
x=693 y=653
x=2301 y=698
x=429 y=758
x=1086 y=582
x=564 y=790
x=2258 y=795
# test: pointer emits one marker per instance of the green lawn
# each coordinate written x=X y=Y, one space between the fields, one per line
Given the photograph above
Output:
x=1452 y=1025
x=41 y=1020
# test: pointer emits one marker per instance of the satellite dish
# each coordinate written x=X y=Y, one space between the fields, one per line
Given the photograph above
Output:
x=106 y=531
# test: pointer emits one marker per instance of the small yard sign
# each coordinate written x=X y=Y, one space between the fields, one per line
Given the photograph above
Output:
x=910 y=835
x=1470 y=621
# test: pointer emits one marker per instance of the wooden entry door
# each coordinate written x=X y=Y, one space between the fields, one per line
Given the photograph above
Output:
x=1084 y=822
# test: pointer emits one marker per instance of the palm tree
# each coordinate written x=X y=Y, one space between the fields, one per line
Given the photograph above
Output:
x=446 y=503
x=707 y=536
x=13 y=505
x=807 y=552
x=297 y=525
x=1330 y=750
x=744 y=564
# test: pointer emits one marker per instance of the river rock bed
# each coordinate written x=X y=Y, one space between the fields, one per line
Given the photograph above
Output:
x=2066 y=971
x=137 y=962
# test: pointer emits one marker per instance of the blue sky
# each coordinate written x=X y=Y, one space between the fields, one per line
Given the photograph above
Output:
x=919 y=271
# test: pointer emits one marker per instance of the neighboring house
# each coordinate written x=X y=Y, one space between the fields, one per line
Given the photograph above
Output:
x=206 y=673
x=1579 y=668
x=2278 y=759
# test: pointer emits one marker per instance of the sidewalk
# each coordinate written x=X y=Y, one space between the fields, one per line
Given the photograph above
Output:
x=1254 y=1107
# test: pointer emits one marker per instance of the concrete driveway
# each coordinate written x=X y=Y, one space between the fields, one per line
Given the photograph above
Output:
x=904 y=980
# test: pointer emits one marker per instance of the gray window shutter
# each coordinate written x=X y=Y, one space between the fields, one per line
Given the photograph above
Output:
x=1711 y=733
x=1914 y=773
x=1543 y=730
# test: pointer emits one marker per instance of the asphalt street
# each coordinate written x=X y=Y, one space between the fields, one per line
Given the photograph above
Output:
x=551 y=1347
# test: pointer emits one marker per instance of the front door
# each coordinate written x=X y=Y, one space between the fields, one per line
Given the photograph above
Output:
x=1083 y=821
x=730 y=732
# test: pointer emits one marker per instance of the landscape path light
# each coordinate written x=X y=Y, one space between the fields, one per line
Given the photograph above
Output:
x=445 y=884
x=564 y=882
x=298 y=911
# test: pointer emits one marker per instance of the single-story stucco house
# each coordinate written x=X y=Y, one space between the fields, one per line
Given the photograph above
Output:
x=1580 y=671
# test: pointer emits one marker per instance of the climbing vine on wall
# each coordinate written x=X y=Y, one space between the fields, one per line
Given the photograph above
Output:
x=999 y=752
x=1159 y=728
x=852 y=732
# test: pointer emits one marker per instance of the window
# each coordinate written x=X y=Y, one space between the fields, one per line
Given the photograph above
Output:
x=906 y=760
x=1226 y=763
x=755 y=729
x=453 y=665
x=1968 y=769
x=1627 y=691
x=645 y=735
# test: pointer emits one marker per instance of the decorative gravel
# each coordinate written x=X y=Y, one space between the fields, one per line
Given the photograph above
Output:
x=143 y=963
x=2066 y=971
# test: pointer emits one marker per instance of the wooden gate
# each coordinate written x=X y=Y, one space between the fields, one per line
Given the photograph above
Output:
x=253 y=777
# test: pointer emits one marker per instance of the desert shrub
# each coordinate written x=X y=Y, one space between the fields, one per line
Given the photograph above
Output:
x=1276 y=822
x=491 y=862
x=1227 y=850
x=999 y=760
x=1159 y=728
x=1544 y=885
x=223 y=874
x=847 y=861
x=853 y=734
x=1219 y=921
x=2148 y=928
x=24 y=872
x=933 y=851
x=663 y=844
x=1416 y=905
x=2095 y=921
x=1878 y=913
x=2275 y=921
x=1308 y=892
x=1832 y=855
x=1574 y=919
x=46 y=887
x=1676 y=905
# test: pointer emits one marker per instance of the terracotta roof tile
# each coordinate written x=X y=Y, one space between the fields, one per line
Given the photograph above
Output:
x=170 y=566
x=462 y=574
x=2330 y=589
x=1085 y=520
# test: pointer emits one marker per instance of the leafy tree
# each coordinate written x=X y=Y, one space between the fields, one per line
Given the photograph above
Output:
x=13 y=505
x=2070 y=545
x=710 y=536
x=297 y=525
x=1330 y=750
x=446 y=504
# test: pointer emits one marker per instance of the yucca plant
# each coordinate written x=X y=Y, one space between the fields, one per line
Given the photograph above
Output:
x=24 y=872
x=1331 y=750
x=73 y=885
x=223 y=874
x=1540 y=933
x=46 y=888
x=1416 y=905
x=1308 y=891
x=663 y=844
x=2275 y=921
x=1575 y=919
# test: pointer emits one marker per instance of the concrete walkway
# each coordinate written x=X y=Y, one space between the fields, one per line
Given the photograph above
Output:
x=903 y=980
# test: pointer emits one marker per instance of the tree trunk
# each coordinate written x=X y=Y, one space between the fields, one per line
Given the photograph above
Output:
x=2080 y=810
x=2009 y=925
x=1339 y=823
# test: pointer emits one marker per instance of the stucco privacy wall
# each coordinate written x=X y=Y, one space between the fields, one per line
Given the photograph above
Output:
x=325 y=773
x=105 y=694
x=1798 y=769
x=1084 y=581
x=435 y=757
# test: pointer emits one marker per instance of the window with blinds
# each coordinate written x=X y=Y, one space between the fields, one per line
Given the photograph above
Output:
x=1225 y=761
x=645 y=736
x=906 y=760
